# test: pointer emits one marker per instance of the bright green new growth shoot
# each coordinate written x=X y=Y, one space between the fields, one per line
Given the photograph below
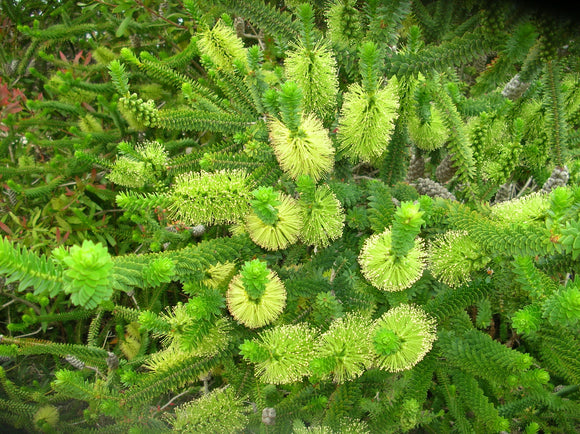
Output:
x=265 y=204
x=290 y=102
x=88 y=276
x=254 y=278
x=119 y=77
x=407 y=225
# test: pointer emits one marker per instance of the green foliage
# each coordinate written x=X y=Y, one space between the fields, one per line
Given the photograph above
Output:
x=259 y=216
x=28 y=269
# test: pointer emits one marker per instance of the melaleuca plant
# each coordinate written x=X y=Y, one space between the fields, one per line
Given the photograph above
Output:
x=222 y=46
x=140 y=166
x=210 y=198
x=394 y=259
x=426 y=127
x=343 y=352
x=218 y=412
x=453 y=256
x=345 y=216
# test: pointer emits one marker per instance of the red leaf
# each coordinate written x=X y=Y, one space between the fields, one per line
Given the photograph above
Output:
x=13 y=107
x=78 y=57
x=5 y=228
x=88 y=107
x=62 y=56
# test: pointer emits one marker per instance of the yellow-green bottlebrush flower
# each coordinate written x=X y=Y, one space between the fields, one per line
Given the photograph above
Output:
x=308 y=151
x=256 y=296
x=453 y=256
x=218 y=412
x=314 y=70
x=140 y=165
x=322 y=216
x=153 y=152
x=428 y=135
x=89 y=124
x=345 y=350
x=402 y=337
x=283 y=232
x=218 y=274
x=367 y=121
x=222 y=46
x=522 y=210
x=46 y=418
x=129 y=173
x=216 y=338
x=387 y=271
x=210 y=198
x=345 y=425
x=281 y=354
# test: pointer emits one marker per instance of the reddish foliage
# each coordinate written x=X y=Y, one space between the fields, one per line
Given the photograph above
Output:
x=11 y=101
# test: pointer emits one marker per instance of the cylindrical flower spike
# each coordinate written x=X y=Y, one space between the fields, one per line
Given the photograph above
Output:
x=345 y=350
x=280 y=234
x=256 y=296
x=429 y=135
x=222 y=46
x=402 y=337
x=220 y=411
x=453 y=256
x=281 y=354
x=308 y=151
x=322 y=216
x=385 y=270
x=210 y=198
x=367 y=122
x=314 y=70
